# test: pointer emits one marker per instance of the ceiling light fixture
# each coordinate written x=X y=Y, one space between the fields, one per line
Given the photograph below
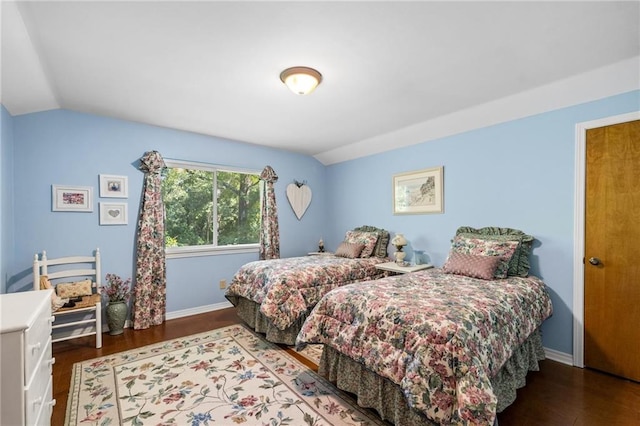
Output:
x=301 y=80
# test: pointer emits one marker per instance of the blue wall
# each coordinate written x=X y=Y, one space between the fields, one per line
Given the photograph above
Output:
x=6 y=196
x=69 y=148
x=518 y=174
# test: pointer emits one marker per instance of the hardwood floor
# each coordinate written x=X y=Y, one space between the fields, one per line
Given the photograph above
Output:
x=558 y=395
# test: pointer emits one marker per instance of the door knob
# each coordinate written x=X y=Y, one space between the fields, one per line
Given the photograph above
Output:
x=594 y=261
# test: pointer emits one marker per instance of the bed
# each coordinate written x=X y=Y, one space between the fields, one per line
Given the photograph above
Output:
x=443 y=346
x=275 y=296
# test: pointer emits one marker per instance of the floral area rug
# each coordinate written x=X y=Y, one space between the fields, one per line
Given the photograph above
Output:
x=222 y=377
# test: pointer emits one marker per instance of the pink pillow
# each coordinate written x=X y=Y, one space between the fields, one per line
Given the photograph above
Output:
x=471 y=265
x=368 y=239
x=351 y=250
x=480 y=247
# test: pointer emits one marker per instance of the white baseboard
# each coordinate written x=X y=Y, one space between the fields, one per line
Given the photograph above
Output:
x=181 y=314
x=198 y=310
x=558 y=356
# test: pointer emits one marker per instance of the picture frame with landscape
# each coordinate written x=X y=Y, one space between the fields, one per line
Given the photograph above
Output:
x=419 y=191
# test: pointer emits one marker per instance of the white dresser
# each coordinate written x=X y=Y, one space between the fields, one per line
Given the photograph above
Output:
x=26 y=363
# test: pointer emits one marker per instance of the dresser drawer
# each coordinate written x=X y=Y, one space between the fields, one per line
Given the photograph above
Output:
x=36 y=338
x=36 y=392
x=41 y=415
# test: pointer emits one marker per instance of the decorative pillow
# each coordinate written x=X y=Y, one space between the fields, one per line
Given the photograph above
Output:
x=471 y=265
x=350 y=250
x=368 y=239
x=482 y=247
x=380 y=249
x=75 y=289
x=519 y=263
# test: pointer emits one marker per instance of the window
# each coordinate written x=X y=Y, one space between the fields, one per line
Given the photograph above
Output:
x=210 y=209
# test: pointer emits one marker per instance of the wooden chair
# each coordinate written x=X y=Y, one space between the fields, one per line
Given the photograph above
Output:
x=85 y=318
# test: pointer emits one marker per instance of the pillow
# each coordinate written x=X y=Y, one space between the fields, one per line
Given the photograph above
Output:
x=368 y=239
x=471 y=265
x=519 y=263
x=350 y=250
x=482 y=247
x=380 y=249
x=75 y=289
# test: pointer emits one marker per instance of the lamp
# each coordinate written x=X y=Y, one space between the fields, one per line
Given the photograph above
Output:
x=301 y=80
x=399 y=241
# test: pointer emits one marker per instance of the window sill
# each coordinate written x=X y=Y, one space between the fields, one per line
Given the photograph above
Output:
x=179 y=252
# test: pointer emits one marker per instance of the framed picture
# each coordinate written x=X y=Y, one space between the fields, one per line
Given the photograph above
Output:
x=418 y=192
x=112 y=186
x=113 y=214
x=71 y=198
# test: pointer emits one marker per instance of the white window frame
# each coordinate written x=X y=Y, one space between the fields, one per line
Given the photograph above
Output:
x=210 y=249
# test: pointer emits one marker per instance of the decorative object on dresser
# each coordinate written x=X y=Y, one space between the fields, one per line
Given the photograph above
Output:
x=321 y=246
x=299 y=196
x=117 y=293
x=26 y=389
x=79 y=281
x=399 y=241
x=418 y=192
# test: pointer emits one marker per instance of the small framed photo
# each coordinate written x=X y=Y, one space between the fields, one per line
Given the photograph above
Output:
x=418 y=192
x=113 y=214
x=71 y=198
x=112 y=186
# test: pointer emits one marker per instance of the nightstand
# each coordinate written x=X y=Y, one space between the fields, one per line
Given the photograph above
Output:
x=394 y=267
x=320 y=253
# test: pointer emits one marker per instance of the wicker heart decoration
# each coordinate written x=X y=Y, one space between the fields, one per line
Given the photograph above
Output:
x=114 y=213
x=299 y=198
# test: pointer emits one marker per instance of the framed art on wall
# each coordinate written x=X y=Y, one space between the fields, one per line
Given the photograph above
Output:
x=113 y=214
x=112 y=186
x=71 y=198
x=418 y=192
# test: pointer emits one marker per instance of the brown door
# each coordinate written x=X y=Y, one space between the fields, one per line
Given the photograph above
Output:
x=612 y=250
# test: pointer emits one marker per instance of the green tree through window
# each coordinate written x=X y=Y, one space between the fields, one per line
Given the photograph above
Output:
x=209 y=206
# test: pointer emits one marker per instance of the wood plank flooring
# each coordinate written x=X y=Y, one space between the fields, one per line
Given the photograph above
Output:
x=558 y=395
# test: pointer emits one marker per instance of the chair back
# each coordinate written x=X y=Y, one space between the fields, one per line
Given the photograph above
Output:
x=65 y=269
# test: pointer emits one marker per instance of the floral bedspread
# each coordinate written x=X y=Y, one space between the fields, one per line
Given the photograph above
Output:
x=440 y=337
x=288 y=288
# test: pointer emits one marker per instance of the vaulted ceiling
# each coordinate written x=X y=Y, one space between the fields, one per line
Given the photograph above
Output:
x=394 y=73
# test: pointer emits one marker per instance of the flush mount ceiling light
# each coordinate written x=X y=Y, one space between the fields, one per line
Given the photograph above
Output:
x=301 y=80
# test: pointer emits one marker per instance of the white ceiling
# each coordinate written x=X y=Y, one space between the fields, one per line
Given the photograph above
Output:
x=391 y=70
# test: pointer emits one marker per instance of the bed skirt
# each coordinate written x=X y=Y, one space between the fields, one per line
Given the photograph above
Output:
x=249 y=312
x=381 y=394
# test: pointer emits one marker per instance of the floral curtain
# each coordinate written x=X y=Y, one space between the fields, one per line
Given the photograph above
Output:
x=269 y=233
x=149 y=303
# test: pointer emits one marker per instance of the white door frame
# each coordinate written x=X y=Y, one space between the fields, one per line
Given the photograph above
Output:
x=578 y=224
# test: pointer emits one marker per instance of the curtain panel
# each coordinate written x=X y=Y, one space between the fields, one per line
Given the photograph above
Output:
x=269 y=231
x=149 y=304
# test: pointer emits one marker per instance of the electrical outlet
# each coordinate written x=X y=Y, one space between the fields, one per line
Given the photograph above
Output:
x=223 y=283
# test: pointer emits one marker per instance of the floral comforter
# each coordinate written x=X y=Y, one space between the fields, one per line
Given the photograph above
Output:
x=288 y=288
x=440 y=337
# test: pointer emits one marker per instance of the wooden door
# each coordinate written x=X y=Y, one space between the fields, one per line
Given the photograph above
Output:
x=612 y=250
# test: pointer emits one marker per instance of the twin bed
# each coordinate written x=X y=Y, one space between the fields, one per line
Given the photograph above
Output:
x=443 y=346
x=275 y=296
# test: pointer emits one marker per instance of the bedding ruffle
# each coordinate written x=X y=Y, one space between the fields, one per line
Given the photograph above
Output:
x=249 y=312
x=387 y=398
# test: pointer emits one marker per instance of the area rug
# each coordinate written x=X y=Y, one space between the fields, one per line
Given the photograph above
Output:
x=222 y=377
